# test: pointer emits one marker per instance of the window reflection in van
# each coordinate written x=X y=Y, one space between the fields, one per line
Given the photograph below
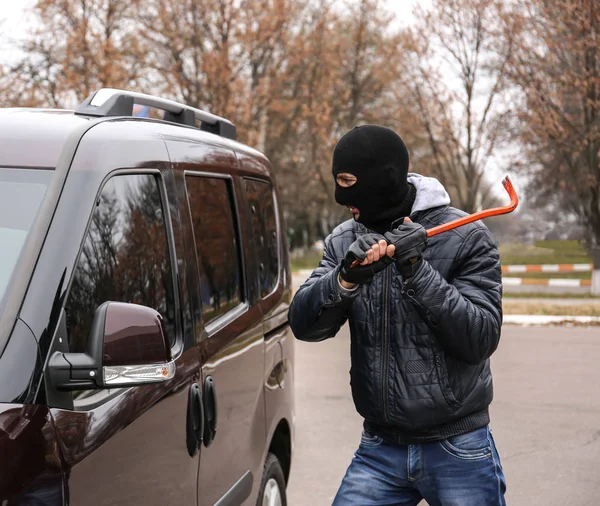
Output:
x=215 y=233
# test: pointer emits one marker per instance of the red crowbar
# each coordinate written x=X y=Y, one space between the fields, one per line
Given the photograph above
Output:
x=486 y=213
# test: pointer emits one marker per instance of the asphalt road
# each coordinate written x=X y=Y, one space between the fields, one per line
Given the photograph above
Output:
x=545 y=417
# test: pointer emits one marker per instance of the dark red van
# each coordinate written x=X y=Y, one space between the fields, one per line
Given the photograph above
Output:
x=145 y=352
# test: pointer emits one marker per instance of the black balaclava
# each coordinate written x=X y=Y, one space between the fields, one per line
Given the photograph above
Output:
x=378 y=157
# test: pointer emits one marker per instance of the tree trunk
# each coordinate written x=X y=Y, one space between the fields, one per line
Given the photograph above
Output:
x=263 y=122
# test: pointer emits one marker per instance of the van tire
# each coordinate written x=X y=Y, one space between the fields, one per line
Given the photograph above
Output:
x=272 y=472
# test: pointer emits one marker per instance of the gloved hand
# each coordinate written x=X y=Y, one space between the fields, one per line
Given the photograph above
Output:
x=410 y=240
x=362 y=274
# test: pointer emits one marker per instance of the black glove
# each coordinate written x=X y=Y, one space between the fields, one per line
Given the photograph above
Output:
x=362 y=274
x=410 y=240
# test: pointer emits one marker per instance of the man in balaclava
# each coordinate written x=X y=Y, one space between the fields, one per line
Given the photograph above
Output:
x=424 y=317
x=378 y=159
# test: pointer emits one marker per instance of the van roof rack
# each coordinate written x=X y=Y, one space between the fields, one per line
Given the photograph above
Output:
x=114 y=102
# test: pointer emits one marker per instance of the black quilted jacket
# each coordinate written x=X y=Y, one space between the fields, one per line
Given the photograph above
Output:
x=420 y=351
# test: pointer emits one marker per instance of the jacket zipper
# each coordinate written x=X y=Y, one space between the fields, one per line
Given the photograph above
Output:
x=385 y=351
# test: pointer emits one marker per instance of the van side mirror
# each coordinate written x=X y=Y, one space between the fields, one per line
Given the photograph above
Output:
x=127 y=347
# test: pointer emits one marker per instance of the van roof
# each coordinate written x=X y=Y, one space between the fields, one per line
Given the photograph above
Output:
x=36 y=137
x=49 y=129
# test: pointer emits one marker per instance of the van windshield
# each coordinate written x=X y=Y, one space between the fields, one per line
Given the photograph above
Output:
x=21 y=194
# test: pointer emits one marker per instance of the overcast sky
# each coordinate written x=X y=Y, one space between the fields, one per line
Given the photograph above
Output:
x=13 y=24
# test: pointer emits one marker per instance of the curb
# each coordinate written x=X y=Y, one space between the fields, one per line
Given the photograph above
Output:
x=525 y=320
x=563 y=283
x=548 y=268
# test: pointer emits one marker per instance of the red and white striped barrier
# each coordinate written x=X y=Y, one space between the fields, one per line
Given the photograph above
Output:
x=557 y=283
x=547 y=268
x=509 y=281
x=562 y=283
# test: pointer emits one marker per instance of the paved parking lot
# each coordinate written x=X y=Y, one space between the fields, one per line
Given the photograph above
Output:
x=545 y=417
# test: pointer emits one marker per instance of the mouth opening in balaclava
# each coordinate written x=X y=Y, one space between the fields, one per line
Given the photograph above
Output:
x=378 y=157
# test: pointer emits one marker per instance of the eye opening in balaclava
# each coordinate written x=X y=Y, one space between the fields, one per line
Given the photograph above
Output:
x=379 y=159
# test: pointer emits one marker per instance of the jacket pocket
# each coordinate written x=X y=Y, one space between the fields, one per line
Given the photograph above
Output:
x=444 y=382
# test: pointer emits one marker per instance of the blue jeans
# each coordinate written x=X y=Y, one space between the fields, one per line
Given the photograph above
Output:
x=463 y=470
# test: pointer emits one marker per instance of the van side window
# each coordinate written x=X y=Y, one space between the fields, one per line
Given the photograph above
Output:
x=263 y=226
x=125 y=257
x=215 y=234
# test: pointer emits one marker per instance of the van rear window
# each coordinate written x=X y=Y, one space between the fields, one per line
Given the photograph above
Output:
x=21 y=194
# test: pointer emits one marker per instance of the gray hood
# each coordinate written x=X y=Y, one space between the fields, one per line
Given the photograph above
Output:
x=430 y=193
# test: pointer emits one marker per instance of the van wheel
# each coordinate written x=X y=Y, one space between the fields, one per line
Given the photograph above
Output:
x=272 y=488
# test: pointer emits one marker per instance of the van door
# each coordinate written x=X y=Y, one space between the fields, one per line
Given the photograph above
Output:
x=128 y=446
x=274 y=293
x=232 y=349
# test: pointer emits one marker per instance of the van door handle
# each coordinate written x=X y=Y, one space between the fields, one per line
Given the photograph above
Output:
x=194 y=420
x=210 y=411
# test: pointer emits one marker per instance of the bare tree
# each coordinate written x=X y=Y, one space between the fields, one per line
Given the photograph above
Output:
x=454 y=68
x=78 y=47
x=558 y=72
x=340 y=72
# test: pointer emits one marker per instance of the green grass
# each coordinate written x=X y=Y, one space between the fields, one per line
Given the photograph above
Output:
x=563 y=247
x=308 y=261
x=544 y=252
